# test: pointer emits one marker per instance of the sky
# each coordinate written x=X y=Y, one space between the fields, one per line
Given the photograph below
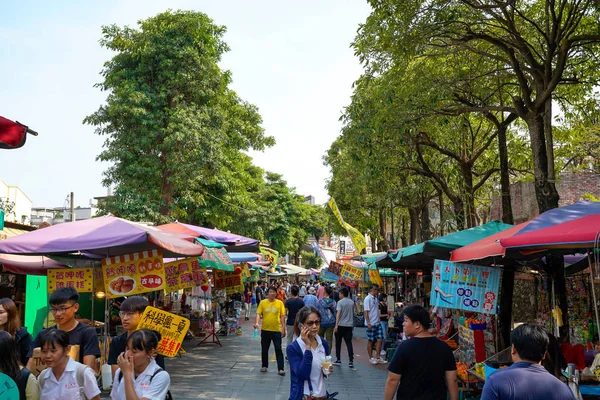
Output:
x=291 y=59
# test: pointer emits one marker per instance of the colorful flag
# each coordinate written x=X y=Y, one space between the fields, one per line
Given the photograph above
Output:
x=271 y=255
x=357 y=238
x=317 y=248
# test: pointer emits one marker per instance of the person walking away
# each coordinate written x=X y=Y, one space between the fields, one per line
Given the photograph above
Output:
x=310 y=299
x=260 y=295
x=11 y=323
x=373 y=323
x=139 y=376
x=383 y=316
x=64 y=378
x=335 y=295
x=9 y=365
x=302 y=291
x=292 y=306
x=131 y=314
x=423 y=365
x=306 y=355
x=526 y=378
x=344 y=327
x=281 y=293
x=321 y=291
x=273 y=330
x=327 y=309
x=64 y=305
x=247 y=301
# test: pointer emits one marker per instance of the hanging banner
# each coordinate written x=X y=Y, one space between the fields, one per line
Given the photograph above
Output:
x=271 y=255
x=133 y=273
x=350 y=274
x=229 y=281
x=179 y=274
x=375 y=277
x=328 y=276
x=319 y=251
x=171 y=327
x=465 y=287
x=357 y=238
x=335 y=268
x=78 y=278
x=245 y=271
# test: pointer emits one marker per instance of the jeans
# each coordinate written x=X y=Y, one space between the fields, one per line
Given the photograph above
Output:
x=384 y=325
x=265 y=341
x=344 y=332
x=327 y=333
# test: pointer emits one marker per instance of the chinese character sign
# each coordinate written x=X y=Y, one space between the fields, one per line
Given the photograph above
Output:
x=465 y=287
x=230 y=281
x=375 y=277
x=133 y=274
x=183 y=274
x=350 y=274
x=79 y=278
x=171 y=327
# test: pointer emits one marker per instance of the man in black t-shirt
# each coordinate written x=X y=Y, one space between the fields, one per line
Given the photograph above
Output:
x=64 y=305
x=423 y=365
x=130 y=313
x=292 y=306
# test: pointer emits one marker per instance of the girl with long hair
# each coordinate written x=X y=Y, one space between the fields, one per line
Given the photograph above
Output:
x=306 y=355
x=9 y=365
x=11 y=323
x=138 y=376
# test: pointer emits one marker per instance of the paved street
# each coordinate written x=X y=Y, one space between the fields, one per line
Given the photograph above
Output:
x=233 y=372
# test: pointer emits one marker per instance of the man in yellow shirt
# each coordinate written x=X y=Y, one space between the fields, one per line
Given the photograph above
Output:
x=272 y=311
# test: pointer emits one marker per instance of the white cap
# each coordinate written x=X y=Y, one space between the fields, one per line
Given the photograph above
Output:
x=332 y=285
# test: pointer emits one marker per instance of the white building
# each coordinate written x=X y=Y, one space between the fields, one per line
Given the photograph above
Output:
x=58 y=215
x=21 y=210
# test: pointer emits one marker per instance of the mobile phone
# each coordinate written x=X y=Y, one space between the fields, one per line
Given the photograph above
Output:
x=301 y=326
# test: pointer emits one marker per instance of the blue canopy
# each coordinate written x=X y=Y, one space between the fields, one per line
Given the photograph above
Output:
x=237 y=258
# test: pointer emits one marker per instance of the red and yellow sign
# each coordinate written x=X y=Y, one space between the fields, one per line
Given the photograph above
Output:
x=133 y=274
x=230 y=281
x=183 y=274
x=171 y=327
x=375 y=277
x=350 y=274
x=78 y=278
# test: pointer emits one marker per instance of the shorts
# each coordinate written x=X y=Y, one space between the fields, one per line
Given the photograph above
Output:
x=375 y=333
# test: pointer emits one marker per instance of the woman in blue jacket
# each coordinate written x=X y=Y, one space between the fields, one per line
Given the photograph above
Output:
x=305 y=355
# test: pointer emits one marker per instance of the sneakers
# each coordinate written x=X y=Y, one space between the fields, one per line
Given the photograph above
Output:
x=373 y=361
x=381 y=361
x=337 y=363
x=351 y=366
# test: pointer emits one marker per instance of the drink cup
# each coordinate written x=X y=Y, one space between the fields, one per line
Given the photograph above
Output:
x=325 y=364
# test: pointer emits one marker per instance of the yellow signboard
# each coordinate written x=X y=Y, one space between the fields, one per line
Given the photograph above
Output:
x=171 y=327
x=133 y=274
x=351 y=273
x=230 y=281
x=78 y=278
x=375 y=277
x=183 y=274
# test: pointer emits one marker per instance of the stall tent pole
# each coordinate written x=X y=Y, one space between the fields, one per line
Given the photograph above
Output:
x=594 y=294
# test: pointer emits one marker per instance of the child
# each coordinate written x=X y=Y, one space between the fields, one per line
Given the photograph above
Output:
x=138 y=376
x=131 y=312
x=64 y=378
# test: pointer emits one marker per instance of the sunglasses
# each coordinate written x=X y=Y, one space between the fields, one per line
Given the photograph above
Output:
x=312 y=323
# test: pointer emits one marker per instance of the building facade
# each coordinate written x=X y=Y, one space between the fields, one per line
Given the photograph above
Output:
x=20 y=204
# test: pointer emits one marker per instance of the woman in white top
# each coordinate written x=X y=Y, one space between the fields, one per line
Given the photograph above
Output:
x=64 y=379
x=138 y=376
x=9 y=365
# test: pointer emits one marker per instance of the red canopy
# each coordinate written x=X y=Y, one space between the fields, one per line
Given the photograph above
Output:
x=486 y=247
x=13 y=134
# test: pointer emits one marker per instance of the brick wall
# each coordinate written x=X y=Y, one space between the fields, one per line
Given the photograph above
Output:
x=571 y=187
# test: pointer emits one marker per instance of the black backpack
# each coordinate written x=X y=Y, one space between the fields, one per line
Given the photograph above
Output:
x=22 y=384
x=167 y=397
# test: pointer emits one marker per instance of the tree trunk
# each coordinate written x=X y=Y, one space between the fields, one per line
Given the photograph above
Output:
x=549 y=139
x=507 y=215
x=384 y=244
x=545 y=190
x=459 y=214
x=467 y=175
x=394 y=243
x=166 y=192
x=403 y=240
x=414 y=224
x=425 y=223
x=506 y=304
x=373 y=243
x=442 y=217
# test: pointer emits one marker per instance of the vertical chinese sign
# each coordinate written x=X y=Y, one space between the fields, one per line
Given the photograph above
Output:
x=465 y=287
x=133 y=273
x=78 y=278
x=171 y=327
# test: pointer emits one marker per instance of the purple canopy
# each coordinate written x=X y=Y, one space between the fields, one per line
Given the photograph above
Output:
x=234 y=243
x=105 y=236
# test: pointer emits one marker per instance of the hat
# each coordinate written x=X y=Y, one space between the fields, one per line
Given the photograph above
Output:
x=332 y=285
x=311 y=290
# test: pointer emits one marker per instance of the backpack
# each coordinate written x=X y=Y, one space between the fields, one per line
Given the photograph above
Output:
x=167 y=397
x=327 y=315
x=22 y=384
x=79 y=375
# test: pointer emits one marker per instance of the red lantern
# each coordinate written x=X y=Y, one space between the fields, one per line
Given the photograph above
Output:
x=237 y=270
x=204 y=288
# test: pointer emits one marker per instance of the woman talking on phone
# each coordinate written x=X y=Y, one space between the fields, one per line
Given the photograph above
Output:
x=307 y=357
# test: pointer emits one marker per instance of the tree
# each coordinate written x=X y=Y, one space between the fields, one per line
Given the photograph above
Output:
x=173 y=126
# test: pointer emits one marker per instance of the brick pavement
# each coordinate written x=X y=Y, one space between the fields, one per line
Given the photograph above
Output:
x=233 y=372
